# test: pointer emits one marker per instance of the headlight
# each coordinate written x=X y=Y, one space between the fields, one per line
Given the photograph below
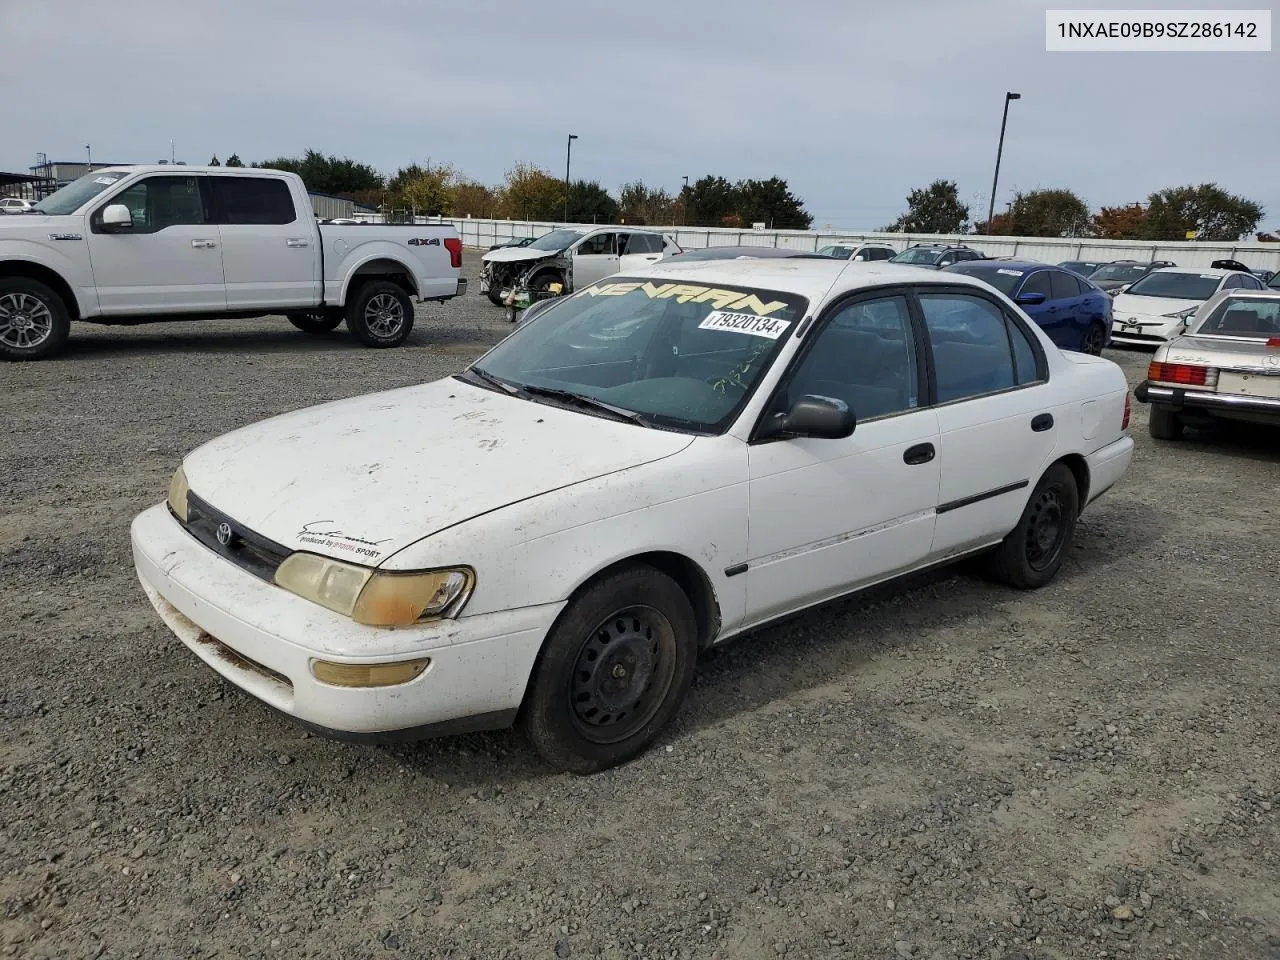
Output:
x=1186 y=314
x=375 y=598
x=178 y=494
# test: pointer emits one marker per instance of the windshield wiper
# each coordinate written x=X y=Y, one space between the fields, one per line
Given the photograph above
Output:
x=568 y=396
x=488 y=378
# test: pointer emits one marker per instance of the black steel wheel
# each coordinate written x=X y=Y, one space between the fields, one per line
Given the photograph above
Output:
x=1033 y=552
x=613 y=672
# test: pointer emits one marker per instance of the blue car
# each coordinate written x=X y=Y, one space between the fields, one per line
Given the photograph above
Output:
x=1073 y=311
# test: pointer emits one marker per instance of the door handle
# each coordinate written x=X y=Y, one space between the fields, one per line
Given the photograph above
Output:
x=295 y=242
x=920 y=453
x=203 y=244
x=1042 y=422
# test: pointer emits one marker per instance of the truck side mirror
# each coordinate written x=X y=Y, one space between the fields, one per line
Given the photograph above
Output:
x=117 y=217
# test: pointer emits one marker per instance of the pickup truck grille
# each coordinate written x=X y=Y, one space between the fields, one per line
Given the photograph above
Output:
x=248 y=550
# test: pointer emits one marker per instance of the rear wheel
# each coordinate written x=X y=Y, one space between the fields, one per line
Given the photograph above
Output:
x=1164 y=424
x=613 y=672
x=380 y=314
x=1032 y=554
x=34 y=322
x=316 y=321
x=1094 y=340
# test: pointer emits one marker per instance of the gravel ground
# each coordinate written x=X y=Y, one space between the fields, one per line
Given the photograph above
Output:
x=945 y=769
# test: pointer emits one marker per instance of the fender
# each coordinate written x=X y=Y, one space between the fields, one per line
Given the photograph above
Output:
x=335 y=290
x=77 y=275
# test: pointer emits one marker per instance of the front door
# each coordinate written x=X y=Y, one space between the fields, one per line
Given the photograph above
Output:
x=595 y=258
x=828 y=516
x=169 y=261
x=268 y=247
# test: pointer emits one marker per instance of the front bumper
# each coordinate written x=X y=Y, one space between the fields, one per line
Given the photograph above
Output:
x=1147 y=332
x=1180 y=398
x=263 y=638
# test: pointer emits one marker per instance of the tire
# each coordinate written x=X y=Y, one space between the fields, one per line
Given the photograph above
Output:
x=34 y=321
x=494 y=293
x=585 y=710
x=316 y=321
x=1164 y=424
x=1095 y=338
x=1032 y=554
x=380 y=314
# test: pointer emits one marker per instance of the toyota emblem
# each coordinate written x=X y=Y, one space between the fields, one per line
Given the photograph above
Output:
x=224 y=533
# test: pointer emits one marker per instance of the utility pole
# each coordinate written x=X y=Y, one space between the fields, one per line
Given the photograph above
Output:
x=999 y=150
x=568 y=152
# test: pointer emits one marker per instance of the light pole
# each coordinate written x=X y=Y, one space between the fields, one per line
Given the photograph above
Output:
x=88 y=154
x=684 y=213
x=568 y=152
x=999 y=150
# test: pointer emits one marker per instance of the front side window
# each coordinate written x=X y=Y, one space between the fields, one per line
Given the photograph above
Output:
x=1038 y=282
x=1177 y=285
x=253 y=200
x=681 y=356
x=159 y=202
x=970 y=344
x=865 y=356
x=599 y=245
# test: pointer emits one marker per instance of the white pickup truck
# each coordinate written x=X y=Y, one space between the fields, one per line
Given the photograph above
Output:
x=127 y=245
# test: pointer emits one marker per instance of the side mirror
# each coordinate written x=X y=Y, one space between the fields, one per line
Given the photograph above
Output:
x=824 y=418
x=117 y=217
x=1030 y=299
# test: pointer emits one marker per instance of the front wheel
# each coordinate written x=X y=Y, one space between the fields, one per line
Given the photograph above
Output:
x=1032 y=554
x=613 y=672
x=1164 y=424
x=1095 y=339
x=34 y=322
x=380 y=314
x=316 y=321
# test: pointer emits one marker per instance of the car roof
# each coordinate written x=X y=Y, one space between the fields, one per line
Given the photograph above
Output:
x=1026 y=266
x=813 y=277
x=761 y=253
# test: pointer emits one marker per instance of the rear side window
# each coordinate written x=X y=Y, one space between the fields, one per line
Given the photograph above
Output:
x=1065 y=285
x=1024 y=355
x=253 y=200
x=641 y=243
x=972 y=355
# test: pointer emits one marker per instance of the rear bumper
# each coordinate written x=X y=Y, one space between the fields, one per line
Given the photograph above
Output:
x=1108 y=465
x=1180 y=398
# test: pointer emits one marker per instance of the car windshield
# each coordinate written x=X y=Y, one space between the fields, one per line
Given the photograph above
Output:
x=917 y=255
x=842 y=252
x=1004 y=279
x=1176 y=286
x=1274 y=281
x=1080 y=267
x=555 y=240
x=79 y=192
x=1125 y=274
x=668 y=354
x=1254 y=318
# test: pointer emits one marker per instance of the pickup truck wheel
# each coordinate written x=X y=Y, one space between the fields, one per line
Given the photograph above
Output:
x=380 y=314
x=613 y=672
x=316 y=321
x=34 y=322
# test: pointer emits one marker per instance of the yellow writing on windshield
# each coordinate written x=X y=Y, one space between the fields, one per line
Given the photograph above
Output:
x=683 y=293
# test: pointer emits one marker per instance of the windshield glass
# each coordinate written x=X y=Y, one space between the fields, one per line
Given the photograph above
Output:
x=684 y=356
x=1176 y=286
x=917 y=255
x=1081 y=267
x=844 y=253
x=555 y=240
x=1117 y=272
x=1004 y=279
x=79 y=192
x=1275 y=281
x=1255 y=318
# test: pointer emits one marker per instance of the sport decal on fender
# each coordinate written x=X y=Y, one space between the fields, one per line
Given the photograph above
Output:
x=337 y=540
x=771 y=328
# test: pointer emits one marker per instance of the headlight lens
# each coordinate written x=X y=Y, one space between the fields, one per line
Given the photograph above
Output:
x=178 y=494
x=1183 y=314
x=374 y=598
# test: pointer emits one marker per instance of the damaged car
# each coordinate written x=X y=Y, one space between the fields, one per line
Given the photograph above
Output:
x=564 y=260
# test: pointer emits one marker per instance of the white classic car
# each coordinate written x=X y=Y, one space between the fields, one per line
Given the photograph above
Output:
x=1226 y=366
x=653 y=465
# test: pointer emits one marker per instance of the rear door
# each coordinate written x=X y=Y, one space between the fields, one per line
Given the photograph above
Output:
x=638 y=250
x=595 y=258
x=169 y=260
x=268 y=248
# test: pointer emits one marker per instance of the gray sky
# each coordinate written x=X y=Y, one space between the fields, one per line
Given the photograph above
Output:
x=853 y=102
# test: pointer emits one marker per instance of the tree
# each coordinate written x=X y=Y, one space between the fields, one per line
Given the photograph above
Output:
x=214 y=162
x=340 y=176
x=1207 y=209
x=708 y=201
x=234 y=160
x=641 y=204
x=933 y=209
x=530 y=193
x=430 y=192
x=474 y=199
x=1048 y=213
x=771 y=202
x=1119 y=223
x=591 y=203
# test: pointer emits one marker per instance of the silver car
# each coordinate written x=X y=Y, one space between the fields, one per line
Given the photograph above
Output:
x=1226 y=364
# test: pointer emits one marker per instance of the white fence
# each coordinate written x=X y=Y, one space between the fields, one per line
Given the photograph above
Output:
x=1262 y=256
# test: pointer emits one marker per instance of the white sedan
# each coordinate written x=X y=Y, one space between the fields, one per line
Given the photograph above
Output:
x=653 y=465
x=1156 y=308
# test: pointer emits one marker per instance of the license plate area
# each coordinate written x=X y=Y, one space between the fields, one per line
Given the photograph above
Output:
x=1249 y=384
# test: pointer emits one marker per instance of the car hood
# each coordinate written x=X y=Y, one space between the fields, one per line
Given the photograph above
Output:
x=516 y=254
x=360 y=479
x=1130 y=305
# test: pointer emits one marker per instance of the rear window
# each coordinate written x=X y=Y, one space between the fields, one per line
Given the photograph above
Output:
x=1177 y=285
x=1254 y=318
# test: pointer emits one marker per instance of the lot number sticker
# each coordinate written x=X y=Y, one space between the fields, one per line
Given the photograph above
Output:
x=768 y=327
